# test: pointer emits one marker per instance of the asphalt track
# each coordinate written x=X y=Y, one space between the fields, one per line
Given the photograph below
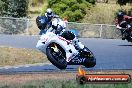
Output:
x=110 y=54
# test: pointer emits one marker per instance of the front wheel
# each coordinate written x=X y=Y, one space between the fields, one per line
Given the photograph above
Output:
x=56 y=55
x=90 y=60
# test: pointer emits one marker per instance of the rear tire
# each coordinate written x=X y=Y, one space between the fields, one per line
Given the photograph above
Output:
x=58 y=61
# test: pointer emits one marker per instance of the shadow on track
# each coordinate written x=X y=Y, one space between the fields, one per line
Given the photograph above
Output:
x=125 y=45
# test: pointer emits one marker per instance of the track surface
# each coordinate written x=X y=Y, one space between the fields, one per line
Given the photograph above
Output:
x=110 y=53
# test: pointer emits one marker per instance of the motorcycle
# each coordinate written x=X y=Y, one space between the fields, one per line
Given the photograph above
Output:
x=127 y=34
x=61 y=52
x=126 y=30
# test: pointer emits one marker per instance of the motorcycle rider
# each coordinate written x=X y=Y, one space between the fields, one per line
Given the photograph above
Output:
x=60 y=27
x=47 y=21
x=123 y=21
x=44 y=22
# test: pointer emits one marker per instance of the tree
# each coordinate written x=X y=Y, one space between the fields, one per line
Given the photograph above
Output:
x=1 y=6
x=15 y=8
x=74 y=10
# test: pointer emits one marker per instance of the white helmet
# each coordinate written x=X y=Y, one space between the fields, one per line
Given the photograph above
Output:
x=49 y=12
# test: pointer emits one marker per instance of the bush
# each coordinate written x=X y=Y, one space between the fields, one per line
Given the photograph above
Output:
x=15 y=8
x=59 y=8
x=70 y=2
x=1 y=6
x=52 y=2
x=80 y=7
x=91 y=1
x=69 y=14
x=78 y=15
x=74 y=10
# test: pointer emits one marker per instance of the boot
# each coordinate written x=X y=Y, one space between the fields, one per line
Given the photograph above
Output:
x=77 y=44
x=123 y=36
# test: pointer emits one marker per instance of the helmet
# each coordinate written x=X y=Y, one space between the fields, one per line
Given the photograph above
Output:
x=120 y=15
x=49 y=12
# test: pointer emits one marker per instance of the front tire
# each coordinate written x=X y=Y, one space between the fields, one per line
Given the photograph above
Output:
x=90 y=60
x=56 y=58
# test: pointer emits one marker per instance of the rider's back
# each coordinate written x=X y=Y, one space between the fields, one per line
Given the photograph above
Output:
x=42 y=22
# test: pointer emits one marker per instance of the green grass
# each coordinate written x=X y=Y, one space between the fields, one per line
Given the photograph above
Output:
x=18 y=56
x=64 y=84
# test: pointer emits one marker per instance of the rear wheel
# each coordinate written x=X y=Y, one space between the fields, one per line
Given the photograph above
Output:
x=56 y=55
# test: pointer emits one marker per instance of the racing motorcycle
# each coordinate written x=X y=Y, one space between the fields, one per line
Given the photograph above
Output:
x=126 y=32
x=61 y=51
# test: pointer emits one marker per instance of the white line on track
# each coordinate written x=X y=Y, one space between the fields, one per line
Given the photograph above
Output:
x=27 y=65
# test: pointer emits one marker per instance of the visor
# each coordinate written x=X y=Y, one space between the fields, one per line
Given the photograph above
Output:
x=49 y=13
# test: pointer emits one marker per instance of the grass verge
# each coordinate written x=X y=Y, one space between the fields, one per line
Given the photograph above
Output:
x=18 y=56
x=71 y=84
x=54 y=80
